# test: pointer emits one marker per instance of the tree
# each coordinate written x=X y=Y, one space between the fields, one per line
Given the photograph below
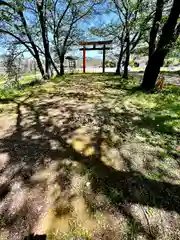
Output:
x=12 y=64
x=14 y=23
x=155 y=26
x=134 y=17
x=63 y=19
x=29 y=33
x=170 y=33
x=128 y=27
x=160 y=16
x=41 y=9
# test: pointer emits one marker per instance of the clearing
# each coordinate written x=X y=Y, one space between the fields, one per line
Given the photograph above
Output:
x=90 y=157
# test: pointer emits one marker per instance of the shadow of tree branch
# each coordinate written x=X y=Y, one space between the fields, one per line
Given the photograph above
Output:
x=131 y=187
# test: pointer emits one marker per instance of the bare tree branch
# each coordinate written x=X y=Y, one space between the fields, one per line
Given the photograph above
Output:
x=62 y=16
x=19 y=39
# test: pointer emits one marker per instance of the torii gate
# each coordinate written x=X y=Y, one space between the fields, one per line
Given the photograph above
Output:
x=94 y=44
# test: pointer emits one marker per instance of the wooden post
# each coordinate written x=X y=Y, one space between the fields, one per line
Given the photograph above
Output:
x=84 y=59
x=104 y=53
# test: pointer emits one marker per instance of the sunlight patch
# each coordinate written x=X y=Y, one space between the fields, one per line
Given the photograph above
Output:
x=81 y=141
x=4 y=159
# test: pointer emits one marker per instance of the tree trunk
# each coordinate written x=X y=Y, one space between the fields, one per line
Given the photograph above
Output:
x=62 y=65
x=54 y=66
x=40 y=66
x=134 y=43
x=42 y=20
x=155 y=26
x=36 y=53
x=118 y=68
x=168 y=37
x=126 y=64
x=153 y=68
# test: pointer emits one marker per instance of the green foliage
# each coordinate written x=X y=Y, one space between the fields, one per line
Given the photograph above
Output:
x=142 y=51
x=174 y=53
x=164 y=19
x=170 y=61
x=110 y=64
x=131 y=63
x=136 y=25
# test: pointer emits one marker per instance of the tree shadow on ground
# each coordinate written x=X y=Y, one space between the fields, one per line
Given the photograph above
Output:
x=167 y=107
x=28 y=152
x=157 y=122
x=35 y=237
x=158 y=118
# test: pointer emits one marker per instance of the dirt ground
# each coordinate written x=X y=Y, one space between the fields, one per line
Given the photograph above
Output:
x=72 y=166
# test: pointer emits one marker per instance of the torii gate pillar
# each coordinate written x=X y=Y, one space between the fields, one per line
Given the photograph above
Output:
x=84 y=59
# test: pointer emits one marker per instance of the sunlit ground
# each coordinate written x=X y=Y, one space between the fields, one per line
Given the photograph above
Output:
x=90 y=157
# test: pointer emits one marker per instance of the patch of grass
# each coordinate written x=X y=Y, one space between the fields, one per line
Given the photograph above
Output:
x=158 y=112
x=11 y=94
x=76 y=231
x=8 y=95
x=78 y=234
x=27 y=78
